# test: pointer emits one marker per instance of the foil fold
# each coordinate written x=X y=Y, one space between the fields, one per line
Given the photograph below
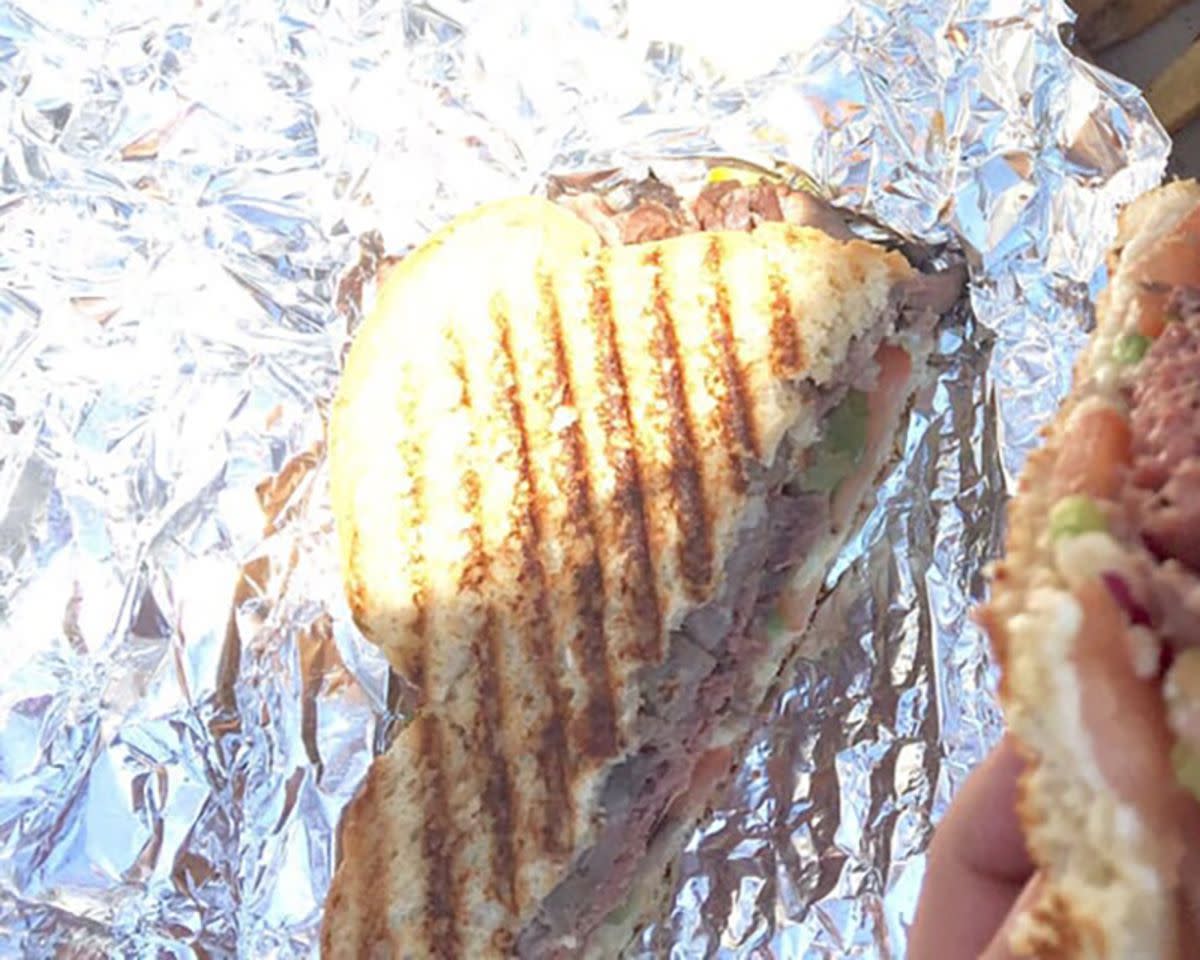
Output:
x=193 y=199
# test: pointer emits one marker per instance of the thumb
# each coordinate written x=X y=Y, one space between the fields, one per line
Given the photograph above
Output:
x=999 y=948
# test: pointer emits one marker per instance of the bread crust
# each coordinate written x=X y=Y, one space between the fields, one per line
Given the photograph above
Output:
x=528 y=503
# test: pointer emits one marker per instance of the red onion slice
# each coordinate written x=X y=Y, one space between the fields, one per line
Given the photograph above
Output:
x=1119 y=588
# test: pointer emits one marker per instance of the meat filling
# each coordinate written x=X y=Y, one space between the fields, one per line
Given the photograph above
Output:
x=1157 y=506
x=650 y=210
x=1165 y=421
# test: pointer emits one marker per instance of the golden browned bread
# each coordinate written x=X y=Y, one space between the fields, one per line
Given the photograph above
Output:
x=543 y=451
x=1099 y=802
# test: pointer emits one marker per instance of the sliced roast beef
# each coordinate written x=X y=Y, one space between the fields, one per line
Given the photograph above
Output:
x=650 y=210
x=764 y=202
x=1161 y=497
x=1165 y=421
x=730 y=205
x=1165 y=414
x=932 y=294
x=649 y=221
x=724 y=206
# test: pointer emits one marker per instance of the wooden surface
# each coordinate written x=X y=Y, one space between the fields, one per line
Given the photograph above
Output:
x=1146 y=56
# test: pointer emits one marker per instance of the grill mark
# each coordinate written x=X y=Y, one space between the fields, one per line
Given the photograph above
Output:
x=497 y=795
x=596 y=731
x=786 y=351
x=629 y=506
x=716 y=383
x=552 y=750
x=735 y=413
x=356 y=590
x=414 y=463
x=685 y=483
x=377 y=863
x=437 y=850
x=441 y=893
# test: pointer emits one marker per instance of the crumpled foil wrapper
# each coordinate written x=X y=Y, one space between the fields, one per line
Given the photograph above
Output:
x=186 y=187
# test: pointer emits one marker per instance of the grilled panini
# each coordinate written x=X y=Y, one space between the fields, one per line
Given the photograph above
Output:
x=579 y=486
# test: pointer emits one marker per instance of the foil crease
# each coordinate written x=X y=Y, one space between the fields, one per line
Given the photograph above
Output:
x=189 y=192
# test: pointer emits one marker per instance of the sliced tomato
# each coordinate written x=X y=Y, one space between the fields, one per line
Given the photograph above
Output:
x=884 y=404
x=1097 y=445
x=891 y=389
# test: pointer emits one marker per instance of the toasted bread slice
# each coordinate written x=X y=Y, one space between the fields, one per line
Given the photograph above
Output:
x=545 y=453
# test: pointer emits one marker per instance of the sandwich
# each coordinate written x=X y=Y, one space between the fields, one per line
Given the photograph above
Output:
x=1094 y=613
x=591 y=460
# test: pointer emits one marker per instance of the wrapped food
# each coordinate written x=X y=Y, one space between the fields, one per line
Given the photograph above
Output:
x=587 y=521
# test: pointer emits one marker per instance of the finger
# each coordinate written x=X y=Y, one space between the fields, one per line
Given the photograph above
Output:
x=977 y=864
x=980 y=834
x=999 y=948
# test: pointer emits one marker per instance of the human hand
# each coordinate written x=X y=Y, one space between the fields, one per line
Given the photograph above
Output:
x=979 y=874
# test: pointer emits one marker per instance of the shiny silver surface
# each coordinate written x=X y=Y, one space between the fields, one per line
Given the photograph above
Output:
x=185 y=707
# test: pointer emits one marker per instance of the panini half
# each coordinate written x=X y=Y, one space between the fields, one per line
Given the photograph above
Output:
x=586 y=488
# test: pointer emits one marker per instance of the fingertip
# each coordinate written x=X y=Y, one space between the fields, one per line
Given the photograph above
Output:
x=978 y=864
x=1000 y=947
x=982 y=829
